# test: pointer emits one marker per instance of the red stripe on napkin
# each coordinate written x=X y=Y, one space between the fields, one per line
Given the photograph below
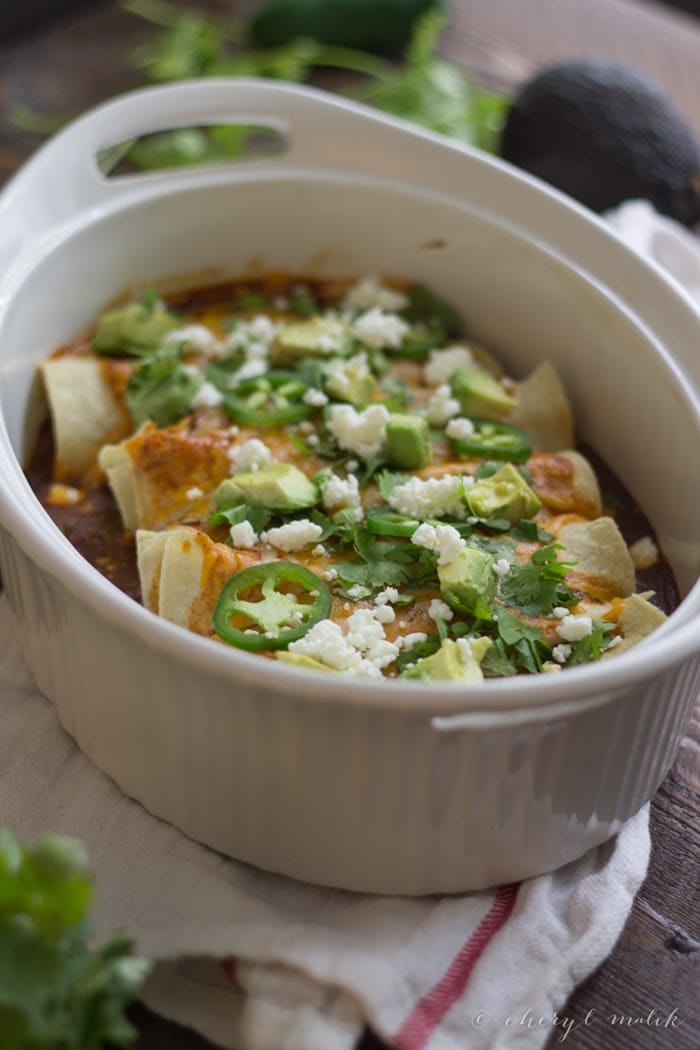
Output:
x=427 y=1014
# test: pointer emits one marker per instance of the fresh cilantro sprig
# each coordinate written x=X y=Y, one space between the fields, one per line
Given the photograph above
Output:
x=57 y=993
x=161 y=389
x=538 y=585
x=593 y=646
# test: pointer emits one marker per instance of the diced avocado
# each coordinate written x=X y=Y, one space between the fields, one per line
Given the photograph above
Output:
x=227 y=492
x=317 y=337
x=452 y=662
x=278 y=486
x=504 y=495
x=349 y=380
x=135 y=328
x=479 y=394
x=408 y=441
x=468 y=580
x=302 y=661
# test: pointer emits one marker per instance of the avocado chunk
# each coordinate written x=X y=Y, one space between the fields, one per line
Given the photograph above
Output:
x=299 y=660
x=605 y=134
x=452 y=662
x=479 y=394
x=468 y=581
x=227 y=493
x=278 y=486
x=133 y=329
x=317 y=337
x=349 y=380
x=505 y=494
x=408 y=441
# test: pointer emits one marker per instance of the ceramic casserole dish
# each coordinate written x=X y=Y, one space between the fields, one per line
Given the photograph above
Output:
x=388 y=787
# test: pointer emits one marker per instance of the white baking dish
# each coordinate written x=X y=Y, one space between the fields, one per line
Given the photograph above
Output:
x=386 y=787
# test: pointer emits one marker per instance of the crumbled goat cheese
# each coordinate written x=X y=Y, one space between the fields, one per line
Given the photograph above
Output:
x=293 y=536
x=326 y=643
x=365 y=633
x=560 y=611
x=243 y=535
x=341 y=492
x=561 y=653
x=370 y=292
x=442 y=406
x=439 y=610
x=251 y=455
x=207 y=397
x=502 y=567
x=355 y=592
x=441 y=538
x=574 y=628
x=644 y=553
x=194 y=493
x=315 y=397
x=306 y=428
x=385 y=614
x=461 y=429
x=432 y=498
x=192 y=371
x=250 y=370
x=319 y=550
x=352 y=465
x=444 y=363
x=388 y=595
x=345 y=376
x=196 y=336
x=614 y=642
x=407 y=641
x=361 y=432
x=548 y=667
x=377 y=329
x=253 y=337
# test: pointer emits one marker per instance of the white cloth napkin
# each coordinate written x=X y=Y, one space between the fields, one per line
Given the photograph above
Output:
x=259 y=962
x=312 y=965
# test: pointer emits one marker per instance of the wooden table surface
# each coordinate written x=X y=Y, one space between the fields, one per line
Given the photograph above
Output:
x=80 y=58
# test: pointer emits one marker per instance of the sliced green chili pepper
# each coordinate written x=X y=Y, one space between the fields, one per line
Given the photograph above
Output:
x=292 y=599
x=496 y=440
x=275 y=397
x=384 y=522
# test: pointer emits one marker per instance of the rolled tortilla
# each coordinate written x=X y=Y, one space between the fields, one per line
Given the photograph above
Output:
x=566 y=483
x=85 y=412
x=543 y=410
x=603 y=561
x=182 y=572
x=162 y=476
x=637 y=620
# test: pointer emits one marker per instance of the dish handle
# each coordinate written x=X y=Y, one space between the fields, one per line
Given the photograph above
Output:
x=321 y=131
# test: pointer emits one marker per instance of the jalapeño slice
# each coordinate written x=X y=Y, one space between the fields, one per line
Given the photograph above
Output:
x=494 y=440
x=270 y=605
x=381 y=521
x=275 y=397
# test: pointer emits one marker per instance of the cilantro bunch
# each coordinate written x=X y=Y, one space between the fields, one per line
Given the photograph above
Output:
x=56 y=993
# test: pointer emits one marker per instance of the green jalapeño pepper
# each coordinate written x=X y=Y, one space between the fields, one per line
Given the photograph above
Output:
x=275 y=397
x=270 y=605
x=494 y=441
x=381 y=521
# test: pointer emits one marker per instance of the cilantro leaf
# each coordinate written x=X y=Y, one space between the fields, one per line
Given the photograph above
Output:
x=538 y=585
x=417 y=652
x=593 y=645
x=235 y=513
x=160 y=389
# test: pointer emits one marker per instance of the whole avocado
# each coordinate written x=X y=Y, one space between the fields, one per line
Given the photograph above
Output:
x=382 y=26
x=604 y=134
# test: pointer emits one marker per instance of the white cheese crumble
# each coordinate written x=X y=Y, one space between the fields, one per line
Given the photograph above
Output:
x=365 y=633
x=343 y=377
x=254 y=337
x=377 y=329
x=461 y=429
x=561 y=653
x=439 y=610
x=293 y=536
x=441 y=538
x=615 y=641
x=644 y=553
x=326 y=643
x=442 y=364
x=407 y=641
x=207 y=397
x=194 y=493
x=549 y=668
x=197 y=337
x=388 y=595
x=502 y=567
x=560 y=611
x=319 y=550
x=330 y=574
x=432 y=498
x=384 y=613
x=343 y=492
x=370 y=292
x=361 y=432
x=442 y=406
x=574 y=628
x=243 y=535
x=315 y=397
x=251 y=455
x=250 y=370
